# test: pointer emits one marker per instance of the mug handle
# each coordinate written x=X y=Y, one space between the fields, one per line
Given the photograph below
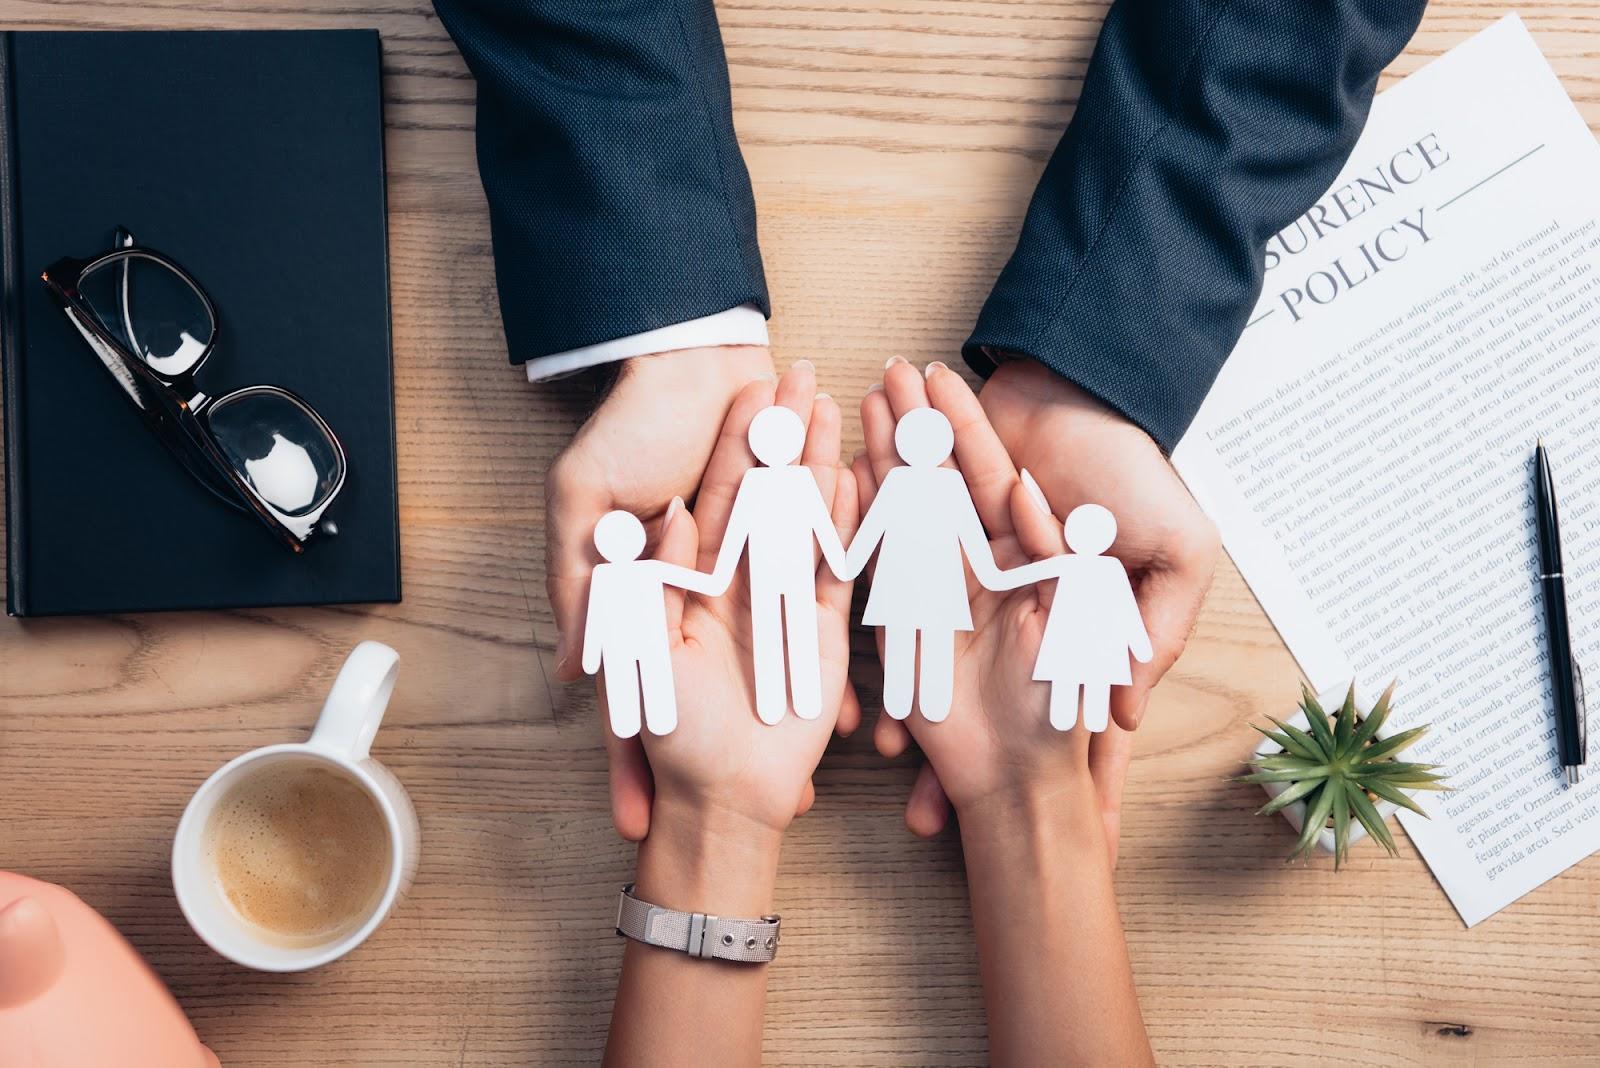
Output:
x=354 y=709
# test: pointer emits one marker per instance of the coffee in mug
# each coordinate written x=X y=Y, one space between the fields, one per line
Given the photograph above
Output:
x=300 y=851
x=289 y=856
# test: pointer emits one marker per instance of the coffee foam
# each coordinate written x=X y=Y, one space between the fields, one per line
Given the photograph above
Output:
x=300 y=851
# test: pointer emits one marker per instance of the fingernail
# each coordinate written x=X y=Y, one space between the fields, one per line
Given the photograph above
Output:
x=562 y=652
x=936 y=365
x=1032 y=486
x=875 y=387
x=860 y=454
x=824 y=396
x=807 y=364
x=672 y=510
x=894 y=360
x=766 y=376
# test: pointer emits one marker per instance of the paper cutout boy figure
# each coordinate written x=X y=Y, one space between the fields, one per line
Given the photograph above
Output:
x=779 y=514
x=1094 y=621
x=626 y=629
x=924 y=516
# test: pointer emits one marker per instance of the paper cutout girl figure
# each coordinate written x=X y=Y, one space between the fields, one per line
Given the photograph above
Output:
x=780 y=515
x=1094 y=621
x=626 y=628
x=924 y=517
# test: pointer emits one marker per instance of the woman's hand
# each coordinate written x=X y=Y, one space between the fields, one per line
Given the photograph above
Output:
x=726 y=784
x=722 y=763
x=1037 y=806
x=647 y=442
x=998 y=736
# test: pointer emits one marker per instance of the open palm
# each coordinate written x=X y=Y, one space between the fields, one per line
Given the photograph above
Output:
x=998 y=732
x=721 y=756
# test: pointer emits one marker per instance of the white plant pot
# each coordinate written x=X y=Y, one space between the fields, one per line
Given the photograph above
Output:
x=1296 y=813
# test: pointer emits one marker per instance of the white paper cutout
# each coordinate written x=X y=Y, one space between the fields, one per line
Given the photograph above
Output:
x=626 y=627
x=1094 y=621
x=921 y=524
x=780 y=518
x=924 y=518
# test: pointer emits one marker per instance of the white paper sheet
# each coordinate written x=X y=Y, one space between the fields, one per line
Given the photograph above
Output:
x=1367 y=450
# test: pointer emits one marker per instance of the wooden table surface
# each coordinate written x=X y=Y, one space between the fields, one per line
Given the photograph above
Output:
x=893 y=146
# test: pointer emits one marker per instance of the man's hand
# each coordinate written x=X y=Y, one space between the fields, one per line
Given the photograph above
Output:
x=647 y=443
x=1080 y=452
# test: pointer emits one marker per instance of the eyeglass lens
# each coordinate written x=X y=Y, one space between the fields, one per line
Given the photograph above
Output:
x=151 y=309
x=280 y=449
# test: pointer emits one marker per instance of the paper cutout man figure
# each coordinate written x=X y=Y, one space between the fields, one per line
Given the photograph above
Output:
x=780 y=515
x=1094 y=621
x=626 y=628
x=925 y=519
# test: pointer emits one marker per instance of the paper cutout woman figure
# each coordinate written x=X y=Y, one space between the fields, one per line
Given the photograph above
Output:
x=780 y=515
x=925 y=519
x=1094 y=621
x=626 y=629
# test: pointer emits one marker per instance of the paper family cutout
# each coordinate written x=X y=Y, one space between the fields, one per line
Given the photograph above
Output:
x=778 y=519
x=626 y=630
x=922 y=524
x=924 y=519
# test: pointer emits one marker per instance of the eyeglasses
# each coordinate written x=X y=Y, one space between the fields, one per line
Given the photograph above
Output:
x=260 y=449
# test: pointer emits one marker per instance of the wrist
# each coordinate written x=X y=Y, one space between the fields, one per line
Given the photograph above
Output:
x=1023 y=374
x=1061 y=814
x=723 y=369
x=702 y=858
x=1052 y=407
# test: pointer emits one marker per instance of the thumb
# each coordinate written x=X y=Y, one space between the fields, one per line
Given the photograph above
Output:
x=1170 y=602
x=1038 y=530
x=570 y=557
x=927 y=807
x=679 y=544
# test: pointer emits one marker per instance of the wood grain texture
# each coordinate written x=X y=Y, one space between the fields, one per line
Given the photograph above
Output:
x=893 y=145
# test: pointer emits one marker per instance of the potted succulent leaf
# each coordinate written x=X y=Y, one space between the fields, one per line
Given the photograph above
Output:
x=1335 y=777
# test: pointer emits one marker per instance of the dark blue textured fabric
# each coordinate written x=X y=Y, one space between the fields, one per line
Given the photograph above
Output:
x=618 y=199
x=620 y=202
x=1204 y=127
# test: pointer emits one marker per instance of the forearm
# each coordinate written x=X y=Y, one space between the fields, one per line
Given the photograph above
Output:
x=1056 y=978
x=672 y=1009
x=618 y=198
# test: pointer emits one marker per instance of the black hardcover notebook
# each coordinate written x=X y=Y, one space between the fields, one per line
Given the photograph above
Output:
x=255 y=160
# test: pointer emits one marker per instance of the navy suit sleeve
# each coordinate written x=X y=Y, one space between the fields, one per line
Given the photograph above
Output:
x=618 y=199
x=1204 y=127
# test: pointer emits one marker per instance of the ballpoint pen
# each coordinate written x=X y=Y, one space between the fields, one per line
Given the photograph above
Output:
x=1566 y=680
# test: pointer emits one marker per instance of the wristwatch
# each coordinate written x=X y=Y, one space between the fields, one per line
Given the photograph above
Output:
x=696 y=933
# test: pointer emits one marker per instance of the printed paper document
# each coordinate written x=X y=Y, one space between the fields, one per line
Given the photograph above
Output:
x=1367 y=450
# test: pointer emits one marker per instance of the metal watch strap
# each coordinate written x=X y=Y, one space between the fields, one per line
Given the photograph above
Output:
x=696 y=933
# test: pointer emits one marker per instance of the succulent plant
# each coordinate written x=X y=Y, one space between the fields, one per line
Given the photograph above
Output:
x=1340 y=768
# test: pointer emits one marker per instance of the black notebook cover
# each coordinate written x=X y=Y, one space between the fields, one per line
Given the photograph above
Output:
x=255 y=160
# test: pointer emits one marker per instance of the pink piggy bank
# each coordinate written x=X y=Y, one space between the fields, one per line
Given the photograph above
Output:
x=74 y=993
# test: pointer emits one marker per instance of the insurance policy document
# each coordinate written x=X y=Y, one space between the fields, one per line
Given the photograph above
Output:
x=1367 y=450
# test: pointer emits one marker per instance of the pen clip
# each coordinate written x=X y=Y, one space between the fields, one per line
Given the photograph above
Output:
x=1583 y=710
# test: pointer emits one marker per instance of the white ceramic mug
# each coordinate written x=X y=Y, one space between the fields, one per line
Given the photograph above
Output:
x=343 y=734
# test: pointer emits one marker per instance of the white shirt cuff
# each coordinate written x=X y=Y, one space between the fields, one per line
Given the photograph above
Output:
x=744 y=325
